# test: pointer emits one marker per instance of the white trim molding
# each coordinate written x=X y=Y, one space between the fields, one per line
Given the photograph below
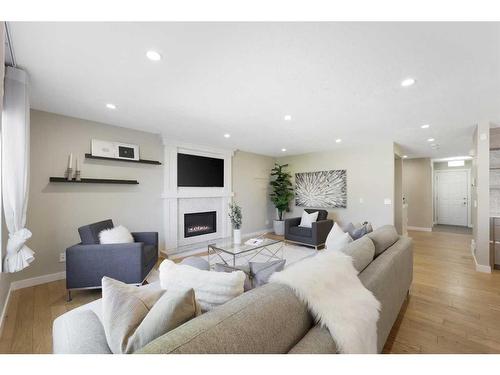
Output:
x=481 y=267
x=420 y=229
x=26 y=283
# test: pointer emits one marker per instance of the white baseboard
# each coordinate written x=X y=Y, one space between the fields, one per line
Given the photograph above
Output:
x=26 y=283
x=481 y=267
x=4 y=310
x=420 y=229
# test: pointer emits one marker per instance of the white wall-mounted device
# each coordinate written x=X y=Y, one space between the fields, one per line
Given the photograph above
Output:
x=118 y=150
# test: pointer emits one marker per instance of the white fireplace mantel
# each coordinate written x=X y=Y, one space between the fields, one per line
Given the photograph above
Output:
x=180 y=200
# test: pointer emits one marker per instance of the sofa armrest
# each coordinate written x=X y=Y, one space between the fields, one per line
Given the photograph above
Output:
x=147 y=238
x=86 y=265
x=320 y=230
x=292 y=222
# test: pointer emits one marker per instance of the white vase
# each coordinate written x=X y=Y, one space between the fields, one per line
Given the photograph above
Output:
x=279 y=227
x=237 y=236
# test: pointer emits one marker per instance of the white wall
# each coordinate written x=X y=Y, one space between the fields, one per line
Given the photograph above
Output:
x=370 y=178
x=481 y=195
x=251 y=176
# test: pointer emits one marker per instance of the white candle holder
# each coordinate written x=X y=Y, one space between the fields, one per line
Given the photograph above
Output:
x=78 y=175
x=69 y=174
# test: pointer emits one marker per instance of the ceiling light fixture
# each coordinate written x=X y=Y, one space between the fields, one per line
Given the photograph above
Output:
x=405 y=156
x=431 y=140
x=153 y=55
x=283 y=149
x=110 y=106
x=227 y=135
x=408 y=82
x=338 y=140
x=426 y=126
x=287 y=117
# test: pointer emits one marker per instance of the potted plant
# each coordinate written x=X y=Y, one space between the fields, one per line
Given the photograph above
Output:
x=281 y=195
x=235 y=216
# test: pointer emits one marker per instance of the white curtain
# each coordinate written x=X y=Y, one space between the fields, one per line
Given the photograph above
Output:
x=15 y=167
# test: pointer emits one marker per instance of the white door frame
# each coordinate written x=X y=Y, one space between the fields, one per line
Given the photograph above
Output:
x=434 y=198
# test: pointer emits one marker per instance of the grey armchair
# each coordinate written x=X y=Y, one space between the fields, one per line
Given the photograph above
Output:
x=89 y=261
x=314 y=236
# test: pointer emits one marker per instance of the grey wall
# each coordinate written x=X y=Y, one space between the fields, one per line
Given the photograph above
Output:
x=370 y=177
x=56 y=210
x=251 y=190
x=417 y=190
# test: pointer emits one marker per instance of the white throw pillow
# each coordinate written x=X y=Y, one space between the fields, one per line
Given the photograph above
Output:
x=307 y=219
x=118 y=234
x=336 y=238
x=339 y=242
x=211 y=288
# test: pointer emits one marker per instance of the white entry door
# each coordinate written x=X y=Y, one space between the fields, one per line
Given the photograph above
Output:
x=452 y=198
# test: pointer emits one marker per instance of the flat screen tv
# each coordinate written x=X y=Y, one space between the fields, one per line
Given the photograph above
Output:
x=199 y=171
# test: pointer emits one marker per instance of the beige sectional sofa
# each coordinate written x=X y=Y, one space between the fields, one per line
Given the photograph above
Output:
x=269 y=319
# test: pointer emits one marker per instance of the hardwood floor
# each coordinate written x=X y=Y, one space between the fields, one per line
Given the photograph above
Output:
x=451 y=308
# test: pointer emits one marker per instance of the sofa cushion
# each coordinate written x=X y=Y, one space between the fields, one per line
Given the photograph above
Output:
x=301 y=231
x=383 y=238
x=322 y=214
x=132 y=317
x=89 y=234
x=317 y=341
x=361 y=251
x=270 y=319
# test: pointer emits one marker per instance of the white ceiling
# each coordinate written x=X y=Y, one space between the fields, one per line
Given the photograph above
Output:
x=337 y=80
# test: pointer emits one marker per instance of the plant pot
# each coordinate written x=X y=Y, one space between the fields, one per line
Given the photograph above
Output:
x=237 y=236
x=279 y=227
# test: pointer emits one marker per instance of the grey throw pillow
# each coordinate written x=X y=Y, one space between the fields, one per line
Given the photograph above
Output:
x=197 y=262
x=358 y=233
x=247 y=285
x=261 y=272
x=132 y=316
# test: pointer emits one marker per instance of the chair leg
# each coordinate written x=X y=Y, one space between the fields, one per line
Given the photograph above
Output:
x=69 y=296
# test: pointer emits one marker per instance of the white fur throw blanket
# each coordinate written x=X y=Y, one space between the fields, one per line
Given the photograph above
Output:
x=211 y=289
x=329 y=285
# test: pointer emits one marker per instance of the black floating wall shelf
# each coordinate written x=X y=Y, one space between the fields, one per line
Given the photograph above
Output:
x=94 y=181
x=143 y=161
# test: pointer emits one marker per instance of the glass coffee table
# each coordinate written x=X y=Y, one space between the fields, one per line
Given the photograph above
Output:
x=229 y=253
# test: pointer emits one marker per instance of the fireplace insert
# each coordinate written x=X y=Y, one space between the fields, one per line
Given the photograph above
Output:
x=199 y=223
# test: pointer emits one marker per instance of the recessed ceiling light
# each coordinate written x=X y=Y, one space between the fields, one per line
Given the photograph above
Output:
x=288 y=117
x=431 y=140
x=338 y=140
x=408 y=82
x=283 y=149
x=405 y=156
x=227 y=135
x=110 y=106
x=153 y=55
x=425 y=126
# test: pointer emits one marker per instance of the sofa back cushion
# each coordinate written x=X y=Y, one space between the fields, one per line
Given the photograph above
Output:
x=383 y=238
x=269 y=319
x=322 y=214
x=89 y=234
x=362 y=252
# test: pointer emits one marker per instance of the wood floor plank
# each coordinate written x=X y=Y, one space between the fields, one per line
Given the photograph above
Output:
x=22 y=342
